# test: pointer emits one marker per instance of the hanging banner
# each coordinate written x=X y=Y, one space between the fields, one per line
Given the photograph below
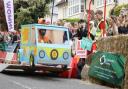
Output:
x=9 y=13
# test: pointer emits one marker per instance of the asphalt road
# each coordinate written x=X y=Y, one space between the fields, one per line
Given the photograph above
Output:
x=21 y=80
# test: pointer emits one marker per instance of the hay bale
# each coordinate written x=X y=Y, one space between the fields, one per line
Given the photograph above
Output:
x=116 y=44
x=84 y=72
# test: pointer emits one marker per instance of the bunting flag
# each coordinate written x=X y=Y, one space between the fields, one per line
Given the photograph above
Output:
x=9 y=13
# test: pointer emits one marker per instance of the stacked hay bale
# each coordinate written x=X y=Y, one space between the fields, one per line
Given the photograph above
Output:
x=116 y=44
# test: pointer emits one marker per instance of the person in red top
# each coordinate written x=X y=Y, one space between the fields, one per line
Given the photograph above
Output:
x=101 y=24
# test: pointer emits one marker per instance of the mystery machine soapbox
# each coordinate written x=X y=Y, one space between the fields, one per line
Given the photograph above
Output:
x=44 y=44
x=42 y=47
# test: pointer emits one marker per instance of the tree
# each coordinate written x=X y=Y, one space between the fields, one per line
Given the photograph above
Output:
x=118 y=8
x=72 y=20
x=28 y=11
x=25 y=12
x=2 y=17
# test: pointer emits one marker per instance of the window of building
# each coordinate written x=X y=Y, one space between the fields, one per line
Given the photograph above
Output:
x=74 y=7
x=110 y=1
x=101 y=2
x=98 y=3
x=82 y=8
x=64 y=12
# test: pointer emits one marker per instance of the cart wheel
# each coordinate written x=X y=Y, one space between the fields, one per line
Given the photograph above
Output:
x=31 y=61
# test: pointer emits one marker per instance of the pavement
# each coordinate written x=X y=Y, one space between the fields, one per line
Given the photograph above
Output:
x=22 y=80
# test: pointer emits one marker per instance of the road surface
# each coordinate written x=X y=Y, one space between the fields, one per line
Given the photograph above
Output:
x=21 y=80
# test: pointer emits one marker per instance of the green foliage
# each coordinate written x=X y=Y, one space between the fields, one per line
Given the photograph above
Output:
x=72 y=20
x=2 y=17
x=28 y=11
x=118 y=8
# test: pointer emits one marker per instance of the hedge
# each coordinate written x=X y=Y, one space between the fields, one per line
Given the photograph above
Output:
x=72 y=19
x=118 y=8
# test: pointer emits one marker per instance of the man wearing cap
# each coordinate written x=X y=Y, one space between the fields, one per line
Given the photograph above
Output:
x=101 y=28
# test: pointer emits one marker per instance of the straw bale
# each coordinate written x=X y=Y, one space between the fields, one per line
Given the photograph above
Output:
x=84 y=72
x=116 y=44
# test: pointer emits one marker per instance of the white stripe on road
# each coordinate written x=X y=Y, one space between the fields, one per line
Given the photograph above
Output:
x=21 y=85
x=18 y=83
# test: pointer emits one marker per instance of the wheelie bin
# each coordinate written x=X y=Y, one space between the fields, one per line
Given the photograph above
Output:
x=108 y=67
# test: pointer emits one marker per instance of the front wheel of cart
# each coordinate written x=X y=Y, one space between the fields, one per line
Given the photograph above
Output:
x=31 y=61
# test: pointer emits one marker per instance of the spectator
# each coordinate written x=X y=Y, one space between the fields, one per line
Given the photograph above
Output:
x=113 y=29
x=74 y=27
x=1 y=38
x=68 y=25
x=122 y=24
x=60 y=22
x=81 y=31
x=92 y=30
x=126 y=23
x=101 y=30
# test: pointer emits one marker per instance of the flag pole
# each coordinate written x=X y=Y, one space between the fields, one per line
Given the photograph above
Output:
x=104 y=18
x=52 y=11
x=89 y=18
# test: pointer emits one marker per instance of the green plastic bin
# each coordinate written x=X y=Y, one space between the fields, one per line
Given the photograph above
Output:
x=108 y=67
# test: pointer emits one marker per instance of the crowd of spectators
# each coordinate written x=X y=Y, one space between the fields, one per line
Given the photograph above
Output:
x=115 y=25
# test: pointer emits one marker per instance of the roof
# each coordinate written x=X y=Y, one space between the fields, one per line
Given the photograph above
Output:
x=61 y=2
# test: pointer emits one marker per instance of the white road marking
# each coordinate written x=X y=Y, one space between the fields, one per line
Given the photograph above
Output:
x=18 y=83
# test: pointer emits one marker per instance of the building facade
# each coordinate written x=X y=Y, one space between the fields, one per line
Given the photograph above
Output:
x=70 y=8
x=62 y=9
x=99 y=4
x=122 y=1
x=78 y=8
x=75 y=8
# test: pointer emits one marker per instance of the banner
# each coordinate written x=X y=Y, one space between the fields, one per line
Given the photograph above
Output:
x=9 y=13
x=81 y=53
